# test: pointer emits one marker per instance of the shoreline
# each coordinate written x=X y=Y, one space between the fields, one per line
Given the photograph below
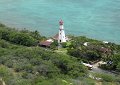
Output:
x=51 y=34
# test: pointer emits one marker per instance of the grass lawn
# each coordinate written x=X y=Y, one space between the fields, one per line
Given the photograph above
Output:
x=62 y=50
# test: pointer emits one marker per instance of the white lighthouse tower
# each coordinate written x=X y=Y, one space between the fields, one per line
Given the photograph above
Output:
x=61 y=37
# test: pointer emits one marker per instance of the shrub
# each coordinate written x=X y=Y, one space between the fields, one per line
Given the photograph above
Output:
x=106 y=77
x=64 y=44
x=118 y=67
x=2 y=25
x=4 y=44
x=23 y=39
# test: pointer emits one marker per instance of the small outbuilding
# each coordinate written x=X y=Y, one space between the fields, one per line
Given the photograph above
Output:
x=46 y=43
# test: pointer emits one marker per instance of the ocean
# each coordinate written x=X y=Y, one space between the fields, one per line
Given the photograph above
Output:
x=97 y=19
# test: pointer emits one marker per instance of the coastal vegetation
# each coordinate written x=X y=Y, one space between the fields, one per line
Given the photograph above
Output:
x=23 y=62
x=96 y=51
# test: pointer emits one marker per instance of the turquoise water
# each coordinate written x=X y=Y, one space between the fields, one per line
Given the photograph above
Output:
x=99 y=19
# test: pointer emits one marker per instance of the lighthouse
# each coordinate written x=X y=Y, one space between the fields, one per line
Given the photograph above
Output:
x=61 y=35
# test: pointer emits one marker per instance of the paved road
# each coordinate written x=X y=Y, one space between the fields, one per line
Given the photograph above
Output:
x=99 y=70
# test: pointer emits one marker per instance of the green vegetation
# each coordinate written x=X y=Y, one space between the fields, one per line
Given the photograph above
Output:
x=23 y=37
x=107 y=78
x=22 y=62
x=95 y=51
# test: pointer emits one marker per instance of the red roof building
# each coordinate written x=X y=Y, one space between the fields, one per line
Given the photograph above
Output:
x=46 y=43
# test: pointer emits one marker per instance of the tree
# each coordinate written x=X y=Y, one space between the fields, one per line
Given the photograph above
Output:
x=92 y=55
x=23 y=39
x=75 y=52
x=35 y=35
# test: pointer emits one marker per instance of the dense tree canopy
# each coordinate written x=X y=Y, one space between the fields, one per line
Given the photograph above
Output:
x=23 y=37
